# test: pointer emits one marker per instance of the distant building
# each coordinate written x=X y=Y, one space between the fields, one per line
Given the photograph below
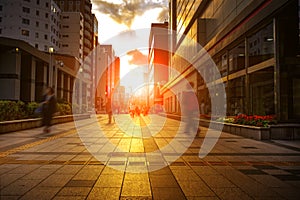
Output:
x=158 y=61
x=109 y=67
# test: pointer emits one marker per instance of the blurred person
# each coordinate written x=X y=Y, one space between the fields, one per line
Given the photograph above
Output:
x=190 y=107
x=48 y=108
x=109 y=110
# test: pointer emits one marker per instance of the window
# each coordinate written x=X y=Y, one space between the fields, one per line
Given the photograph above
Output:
x=25 y=21
x=26 y=10
x=0 y=30
x=36 y=35
x=65 y=36
x=46 y=26
x=27 y=0
x=46 y=37
x=65 y=17
x=25 y=32
x=261 y=45
x=36 y=46
x=1 y=7
x=237 y=58
x=46 y=48
x=37 y=24
x=65 y=26
x=0 y=19
x=47 y=4
x=38 y=2
x=65 y=45
x=46 y=15
x=77 y=2
x=37 y=13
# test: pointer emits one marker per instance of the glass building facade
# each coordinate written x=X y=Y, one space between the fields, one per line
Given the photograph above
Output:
x=254 y=45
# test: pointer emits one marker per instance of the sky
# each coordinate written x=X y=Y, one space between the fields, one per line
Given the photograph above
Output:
x=126 y=24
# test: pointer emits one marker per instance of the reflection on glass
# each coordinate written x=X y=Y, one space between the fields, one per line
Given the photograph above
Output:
x=237 y=58
x=236 y=96
x=261 y=45
x=262 y=92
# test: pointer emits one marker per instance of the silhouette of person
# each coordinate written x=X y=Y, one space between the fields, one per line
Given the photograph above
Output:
x=48 y=108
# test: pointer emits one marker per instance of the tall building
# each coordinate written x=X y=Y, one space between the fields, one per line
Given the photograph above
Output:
x=85 y=8
x=109 y=78
x=254 y=44
x=72 y=34
x=158 y=61
x=35 y=22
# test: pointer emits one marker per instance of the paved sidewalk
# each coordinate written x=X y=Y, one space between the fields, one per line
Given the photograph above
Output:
x=59 y=166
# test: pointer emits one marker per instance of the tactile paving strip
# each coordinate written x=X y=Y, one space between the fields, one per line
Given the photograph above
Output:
x=30 y=145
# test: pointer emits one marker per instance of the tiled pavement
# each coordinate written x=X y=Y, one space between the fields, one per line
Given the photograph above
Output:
x=58 y=166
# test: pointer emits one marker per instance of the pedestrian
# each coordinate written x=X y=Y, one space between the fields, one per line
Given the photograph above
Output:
x=189 y=108
x=109 y=110
x=48 y=108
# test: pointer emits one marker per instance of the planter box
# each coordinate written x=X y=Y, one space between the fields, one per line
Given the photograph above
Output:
x=253 y=132
x=285 y=132
x=17 y=125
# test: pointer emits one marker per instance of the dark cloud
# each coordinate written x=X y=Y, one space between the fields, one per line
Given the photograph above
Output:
x=127 y=10
x=137 y=57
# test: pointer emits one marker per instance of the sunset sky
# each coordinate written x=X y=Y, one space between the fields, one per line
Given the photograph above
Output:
x=126 y=25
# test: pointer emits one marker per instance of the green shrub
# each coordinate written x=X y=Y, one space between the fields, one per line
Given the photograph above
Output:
x=64 y=108
x=10 y=110
x=30 y=108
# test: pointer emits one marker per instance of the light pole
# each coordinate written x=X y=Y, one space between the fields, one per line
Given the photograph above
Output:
x=51 y=50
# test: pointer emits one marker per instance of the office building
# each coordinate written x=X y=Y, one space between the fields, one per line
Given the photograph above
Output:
x=255 y=46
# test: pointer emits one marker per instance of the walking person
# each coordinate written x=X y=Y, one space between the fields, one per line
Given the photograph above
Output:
x=109 y=110
x=48 y=108
x=190 y=107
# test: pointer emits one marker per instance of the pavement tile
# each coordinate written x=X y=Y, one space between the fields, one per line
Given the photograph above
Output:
x=270 y=181
x=163 y=181
x=217 y=181
x=74 y=191
x=19 y=187
x=202 y=198
x=111 y=193
x=9 y=197
x=110 y=180
x=41 y=193
x=231 y=194
x=167 y=193
x=136 y=188
x=80 y=183
x=6 y=179
x=56 y=180
x=195 y=189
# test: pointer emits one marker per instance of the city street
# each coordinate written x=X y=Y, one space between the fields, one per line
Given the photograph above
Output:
x=59 y=166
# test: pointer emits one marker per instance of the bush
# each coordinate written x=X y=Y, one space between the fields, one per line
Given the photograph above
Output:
x=64 y=108
x=12 y=110
x=30 y=109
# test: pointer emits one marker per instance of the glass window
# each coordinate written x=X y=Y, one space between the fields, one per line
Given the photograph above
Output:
x=25 y=32
x=221 y=63
x=261 y=45
x=262 y=92
x=37 y=13
x=236 y=94
x=237 y=58
x=26 y=10
x=25 y=21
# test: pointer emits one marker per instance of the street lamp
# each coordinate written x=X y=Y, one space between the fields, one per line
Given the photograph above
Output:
x=51 y=50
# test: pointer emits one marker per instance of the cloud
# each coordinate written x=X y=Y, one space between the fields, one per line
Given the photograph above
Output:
x=124 y=11
x=137 y=57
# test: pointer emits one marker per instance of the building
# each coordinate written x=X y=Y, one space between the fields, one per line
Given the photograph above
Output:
x=36 y=22
x=109 y=72
x=158 y=61
x=25 y=73
x=85 y=8
x=255 y=46
x=72 y=35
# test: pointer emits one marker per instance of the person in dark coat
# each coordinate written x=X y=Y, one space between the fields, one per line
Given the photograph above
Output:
x=49 y=108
